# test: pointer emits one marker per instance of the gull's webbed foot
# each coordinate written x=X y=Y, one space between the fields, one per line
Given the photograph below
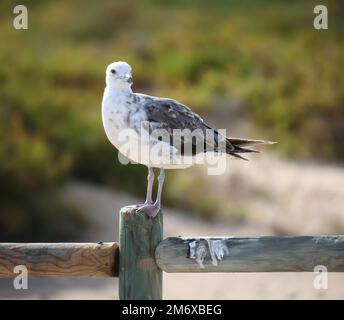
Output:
x=140 y=204
x=150 y=210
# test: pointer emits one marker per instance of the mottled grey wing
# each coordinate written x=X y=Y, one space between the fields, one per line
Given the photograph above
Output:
x=170 y=115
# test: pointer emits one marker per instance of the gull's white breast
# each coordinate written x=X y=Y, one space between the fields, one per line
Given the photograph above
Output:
x=121 y=121
x=114 y=115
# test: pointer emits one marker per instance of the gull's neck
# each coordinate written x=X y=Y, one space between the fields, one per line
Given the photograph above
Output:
x=119 y=91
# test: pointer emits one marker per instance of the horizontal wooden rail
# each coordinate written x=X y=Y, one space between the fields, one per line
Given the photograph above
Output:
x=261 y=254
x=60 y=259
x=205 y=254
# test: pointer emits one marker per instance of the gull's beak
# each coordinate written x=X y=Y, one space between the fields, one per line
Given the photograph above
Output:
x=128 y=78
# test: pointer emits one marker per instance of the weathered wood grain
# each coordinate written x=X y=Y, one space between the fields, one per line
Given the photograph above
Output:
x=139 y=276
x=260 y=254
x=60 y=259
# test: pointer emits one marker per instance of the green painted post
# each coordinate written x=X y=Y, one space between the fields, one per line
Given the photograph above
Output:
x=139 y=276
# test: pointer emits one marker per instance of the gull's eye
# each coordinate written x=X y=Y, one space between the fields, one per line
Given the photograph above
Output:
x=113 y=71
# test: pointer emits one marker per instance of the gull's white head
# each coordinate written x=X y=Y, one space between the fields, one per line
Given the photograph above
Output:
x=118 y=75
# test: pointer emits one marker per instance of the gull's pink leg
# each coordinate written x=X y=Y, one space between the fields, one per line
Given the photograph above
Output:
x=152 y=210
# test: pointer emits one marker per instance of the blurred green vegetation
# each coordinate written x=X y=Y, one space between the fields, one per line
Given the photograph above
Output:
x=264 y=56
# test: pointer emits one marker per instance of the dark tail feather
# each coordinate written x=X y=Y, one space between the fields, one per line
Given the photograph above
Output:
x=238 y=149
x=236 y=146
x=238 y=156
x=247 y=142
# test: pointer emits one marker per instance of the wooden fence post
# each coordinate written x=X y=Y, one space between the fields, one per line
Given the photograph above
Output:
x=139 y=276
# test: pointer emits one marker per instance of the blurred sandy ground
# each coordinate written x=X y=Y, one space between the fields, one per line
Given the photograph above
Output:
x=297 y=198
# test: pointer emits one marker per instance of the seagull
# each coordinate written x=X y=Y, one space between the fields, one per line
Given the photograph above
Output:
x=124 y=111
